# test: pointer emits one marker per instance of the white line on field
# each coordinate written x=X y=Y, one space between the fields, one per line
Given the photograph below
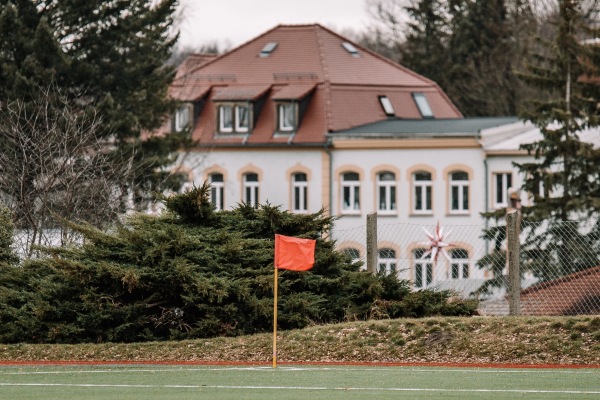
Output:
x=308 y=369
x=236 y=387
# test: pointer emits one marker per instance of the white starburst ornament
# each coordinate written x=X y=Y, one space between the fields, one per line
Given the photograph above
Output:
x=437 y=243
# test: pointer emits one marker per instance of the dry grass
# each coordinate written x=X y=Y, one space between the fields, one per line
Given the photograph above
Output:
x=519 y=340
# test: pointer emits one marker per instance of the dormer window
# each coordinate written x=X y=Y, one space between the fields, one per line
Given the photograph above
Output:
x=234 y=117
x=238 y=107
x=423 y=105
x=291 y=102
x=387 y=106
x=183 y=117
x=286 y=116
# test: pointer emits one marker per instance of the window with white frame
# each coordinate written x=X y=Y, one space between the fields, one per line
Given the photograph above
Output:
x=502 y=181
x=459 y=192
x=350 y=192
x=286 y=116
x=217 y=186
x=386 y=192
x=242 y=118
x=386 y=264
x=183 y=118
x=423 y=270
x=422 y=187
x=459 y=265
x=300 y=192
x=234 y=117
x=251 y=189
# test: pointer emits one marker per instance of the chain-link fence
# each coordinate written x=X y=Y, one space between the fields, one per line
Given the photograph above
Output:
x=559 y=263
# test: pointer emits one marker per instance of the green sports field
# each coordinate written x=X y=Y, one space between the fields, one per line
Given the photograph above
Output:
x=144 y=382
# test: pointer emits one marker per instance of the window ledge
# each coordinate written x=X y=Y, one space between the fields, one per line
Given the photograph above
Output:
x=282 y=134
x=230 y=135
x=458 y=213
x=421 y=214
x=393 y=213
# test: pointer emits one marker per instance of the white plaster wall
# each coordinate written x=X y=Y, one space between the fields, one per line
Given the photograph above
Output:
x=404 y=160
x=273 y=166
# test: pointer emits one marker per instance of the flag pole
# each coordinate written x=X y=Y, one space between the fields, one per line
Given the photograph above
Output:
x=275 y=322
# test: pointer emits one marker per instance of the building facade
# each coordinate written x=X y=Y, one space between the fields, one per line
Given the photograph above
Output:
x=305 y=119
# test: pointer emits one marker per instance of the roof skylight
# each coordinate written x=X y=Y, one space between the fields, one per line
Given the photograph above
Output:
x=423 y=105
x=268 y=49
x=388 y=108
x=350 y=48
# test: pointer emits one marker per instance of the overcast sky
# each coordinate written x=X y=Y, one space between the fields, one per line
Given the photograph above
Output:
x=230 y=23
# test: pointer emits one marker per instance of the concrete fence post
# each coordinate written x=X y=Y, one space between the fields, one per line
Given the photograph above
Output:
x=513 y=219
x=372 y=253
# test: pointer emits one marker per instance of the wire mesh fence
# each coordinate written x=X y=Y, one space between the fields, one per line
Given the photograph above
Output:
x=559 y=262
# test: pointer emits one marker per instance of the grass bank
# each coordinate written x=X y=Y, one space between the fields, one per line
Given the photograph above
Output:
x=515 y=340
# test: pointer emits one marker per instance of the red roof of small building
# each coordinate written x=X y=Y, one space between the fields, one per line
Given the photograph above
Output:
x=576 y=293
x=343 y=87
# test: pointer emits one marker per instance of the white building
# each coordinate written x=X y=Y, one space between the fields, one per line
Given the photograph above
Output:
x=303 y=118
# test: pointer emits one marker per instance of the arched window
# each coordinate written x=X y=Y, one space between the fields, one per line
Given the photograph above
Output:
x=300 y=192
x=459 y=264
x=386 y=264
x=251 y=188
x=386 y=192
x=217 y=187
x=459 y=192
x=423 y=270
x=422 y=192
x=350 y=192
x=354 y=255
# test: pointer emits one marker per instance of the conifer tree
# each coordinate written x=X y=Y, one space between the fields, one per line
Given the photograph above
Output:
x=425 y=48
x=564 y=178
x=561 y=225
x=484 y=50
x=109 y=55
x=7 y=255
x=194 y=272
x=470 y=48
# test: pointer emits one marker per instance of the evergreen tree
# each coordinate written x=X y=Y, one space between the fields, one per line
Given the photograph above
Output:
x=561 y=227
x=564 y=178
x=483 y=54
x=108 y=54
x=7 y=255
x=194 y=272
x=470 y=48
x=425 y=49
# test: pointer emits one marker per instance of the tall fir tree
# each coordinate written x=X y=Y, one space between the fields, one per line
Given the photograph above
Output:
x=109 y=57
x=425 y=48
x=564 y=178
x=561 y=227
x=471 y=49
x=482 y=55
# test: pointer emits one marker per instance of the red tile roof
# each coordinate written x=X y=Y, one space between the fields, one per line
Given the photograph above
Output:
x=193 y=61
x=308 y=60
x=576 y=293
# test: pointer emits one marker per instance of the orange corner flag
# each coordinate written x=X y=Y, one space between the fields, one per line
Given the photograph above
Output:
x=294 y=253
